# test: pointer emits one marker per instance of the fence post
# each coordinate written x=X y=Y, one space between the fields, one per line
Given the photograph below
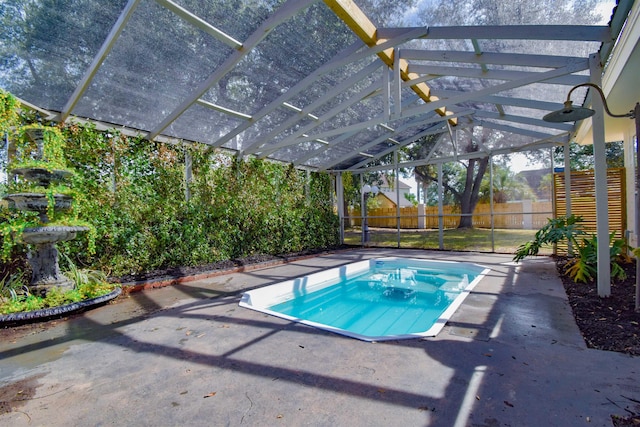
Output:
x=421 y=216
x=527 y=215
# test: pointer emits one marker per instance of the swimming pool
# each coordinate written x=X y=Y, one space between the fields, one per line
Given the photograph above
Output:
x=375 y=300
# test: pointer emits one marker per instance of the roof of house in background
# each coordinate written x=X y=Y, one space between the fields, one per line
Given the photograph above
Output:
x=404 y=203
x=385 y=186
x=534 y=179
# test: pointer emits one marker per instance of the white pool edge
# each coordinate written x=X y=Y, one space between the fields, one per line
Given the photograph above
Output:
x=272 y=294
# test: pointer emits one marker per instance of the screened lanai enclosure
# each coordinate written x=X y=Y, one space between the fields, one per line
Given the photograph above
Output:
x=364 y=90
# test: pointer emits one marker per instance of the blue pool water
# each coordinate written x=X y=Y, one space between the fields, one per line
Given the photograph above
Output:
x=374 y=300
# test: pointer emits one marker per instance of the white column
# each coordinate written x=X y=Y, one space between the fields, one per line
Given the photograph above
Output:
x=340 y=201
x=600 y=172
x=397 y=172
x=629 y=151
x=567 y=190
x=363 y=209
x=491 y=217
x=527 y=215
x=440 y=209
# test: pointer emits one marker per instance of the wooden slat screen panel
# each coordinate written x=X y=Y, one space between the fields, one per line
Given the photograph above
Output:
x=583 y=198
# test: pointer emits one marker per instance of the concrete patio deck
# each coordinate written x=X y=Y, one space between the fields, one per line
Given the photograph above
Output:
x=187 y=355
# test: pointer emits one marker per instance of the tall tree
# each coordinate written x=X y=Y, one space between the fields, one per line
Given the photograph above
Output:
x=507 y=185
x=463 y=181
x=581 y=156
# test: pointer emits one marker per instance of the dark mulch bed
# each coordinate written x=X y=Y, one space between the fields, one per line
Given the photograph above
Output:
x=608 y=323
x=174 y=272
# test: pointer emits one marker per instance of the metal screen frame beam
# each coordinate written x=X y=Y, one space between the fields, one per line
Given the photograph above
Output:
x=511 y=59
x=106 y=47
x=587 y=33
x=285 y=12
x=348 y=55
x=338 y=89
x=198 y=22
x=362 y=26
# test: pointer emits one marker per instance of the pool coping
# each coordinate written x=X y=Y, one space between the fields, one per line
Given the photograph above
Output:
x=263 y=298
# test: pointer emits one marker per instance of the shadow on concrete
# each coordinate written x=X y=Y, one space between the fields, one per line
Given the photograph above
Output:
x=511 y=355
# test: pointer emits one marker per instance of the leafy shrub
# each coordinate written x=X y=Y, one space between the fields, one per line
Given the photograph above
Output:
x=583 y=248
x=11 y=285
x=15 y=296
x=55 y=297
x=132 y=193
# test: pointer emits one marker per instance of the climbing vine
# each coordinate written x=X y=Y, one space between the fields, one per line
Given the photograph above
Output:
x=9 y=107
x=133 y=192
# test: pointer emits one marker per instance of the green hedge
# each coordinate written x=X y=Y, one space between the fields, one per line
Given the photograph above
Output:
x=133 y=192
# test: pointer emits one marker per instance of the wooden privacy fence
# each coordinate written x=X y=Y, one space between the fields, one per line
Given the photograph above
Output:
x=526 y=215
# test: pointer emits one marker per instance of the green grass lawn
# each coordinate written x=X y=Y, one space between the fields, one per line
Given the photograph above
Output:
x=505 y=241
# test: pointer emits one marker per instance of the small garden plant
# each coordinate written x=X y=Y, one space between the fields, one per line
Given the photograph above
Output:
x=581 y=248
x=16 y=298
x=37 y=166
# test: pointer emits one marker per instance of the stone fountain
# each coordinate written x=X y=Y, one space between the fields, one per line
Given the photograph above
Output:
x=43 y=254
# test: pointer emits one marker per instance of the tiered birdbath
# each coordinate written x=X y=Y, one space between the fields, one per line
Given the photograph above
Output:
x=43 y=254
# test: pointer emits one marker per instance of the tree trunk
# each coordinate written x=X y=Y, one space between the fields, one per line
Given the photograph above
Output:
x=469 y=198
x=347 y=214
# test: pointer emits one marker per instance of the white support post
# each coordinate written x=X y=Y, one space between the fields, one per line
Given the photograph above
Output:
x=386 y=92
x=440 y=209
x=307 y=186
x=114 y=153
x=636 y=115
x=567 y=176
x=600 y=172
x=397 y=172
x=493 y=239
x=10 y=155
x=527 y=216
x=421 y=216
x=332 y=186
x=397 y=85
x=340 y=202
x=363 y=210
x=567 y=188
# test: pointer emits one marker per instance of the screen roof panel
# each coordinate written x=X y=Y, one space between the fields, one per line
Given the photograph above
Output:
x=326 y=84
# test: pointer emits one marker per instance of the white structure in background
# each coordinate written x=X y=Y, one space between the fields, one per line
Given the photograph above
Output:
x=389 y=191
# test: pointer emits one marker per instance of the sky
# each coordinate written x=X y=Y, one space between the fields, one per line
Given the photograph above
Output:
x=605 y=7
